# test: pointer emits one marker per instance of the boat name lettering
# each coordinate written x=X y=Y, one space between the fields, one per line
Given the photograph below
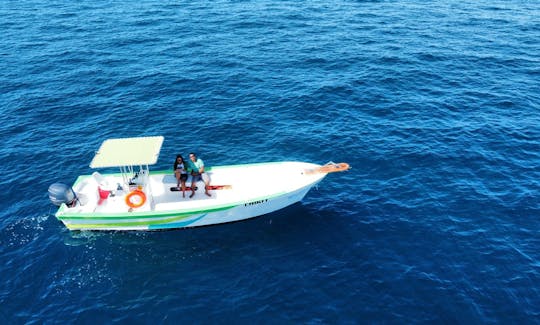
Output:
x=255 y=202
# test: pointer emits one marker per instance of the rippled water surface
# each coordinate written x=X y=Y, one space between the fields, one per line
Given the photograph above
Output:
x=435 y=104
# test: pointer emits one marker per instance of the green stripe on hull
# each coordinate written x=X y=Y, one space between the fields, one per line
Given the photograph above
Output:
x=127 y=224
x=138 y=215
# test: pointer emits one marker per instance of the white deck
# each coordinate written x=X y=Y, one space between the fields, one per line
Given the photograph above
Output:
x=249 y=183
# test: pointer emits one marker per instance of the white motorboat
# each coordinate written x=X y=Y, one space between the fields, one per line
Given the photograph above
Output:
x=137 y=199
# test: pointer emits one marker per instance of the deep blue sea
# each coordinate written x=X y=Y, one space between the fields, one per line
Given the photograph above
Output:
x=435 y=104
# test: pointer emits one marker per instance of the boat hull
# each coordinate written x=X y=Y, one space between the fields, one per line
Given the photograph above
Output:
x=187 y=219
x=245 y=200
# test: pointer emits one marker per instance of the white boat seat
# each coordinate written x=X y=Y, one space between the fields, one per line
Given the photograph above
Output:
x=102 y=182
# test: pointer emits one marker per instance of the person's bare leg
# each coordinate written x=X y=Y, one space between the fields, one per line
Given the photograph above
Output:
x=206 y=187
x=183 y=188
x=177 y=174
x=192 y=189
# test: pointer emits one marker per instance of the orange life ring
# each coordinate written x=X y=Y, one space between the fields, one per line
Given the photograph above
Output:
x=136 y=199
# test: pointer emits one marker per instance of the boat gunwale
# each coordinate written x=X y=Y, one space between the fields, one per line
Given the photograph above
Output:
x=153 y=214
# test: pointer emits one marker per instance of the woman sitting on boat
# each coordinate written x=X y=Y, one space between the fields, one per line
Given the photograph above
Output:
x=180 y=172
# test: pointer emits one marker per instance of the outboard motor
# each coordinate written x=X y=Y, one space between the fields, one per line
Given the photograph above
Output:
x=61 y=193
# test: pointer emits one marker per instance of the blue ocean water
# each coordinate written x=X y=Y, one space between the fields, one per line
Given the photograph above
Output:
x=435 y=104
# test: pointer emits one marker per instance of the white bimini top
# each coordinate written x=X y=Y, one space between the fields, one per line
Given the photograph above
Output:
x=127 y=152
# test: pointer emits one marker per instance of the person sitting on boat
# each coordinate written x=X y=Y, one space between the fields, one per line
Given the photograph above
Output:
x=196 y=168
x=180 y=172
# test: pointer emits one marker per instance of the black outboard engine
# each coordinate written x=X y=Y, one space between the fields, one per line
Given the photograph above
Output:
x=61 y=193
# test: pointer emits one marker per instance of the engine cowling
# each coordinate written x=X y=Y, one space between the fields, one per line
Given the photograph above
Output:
x=61 y=193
